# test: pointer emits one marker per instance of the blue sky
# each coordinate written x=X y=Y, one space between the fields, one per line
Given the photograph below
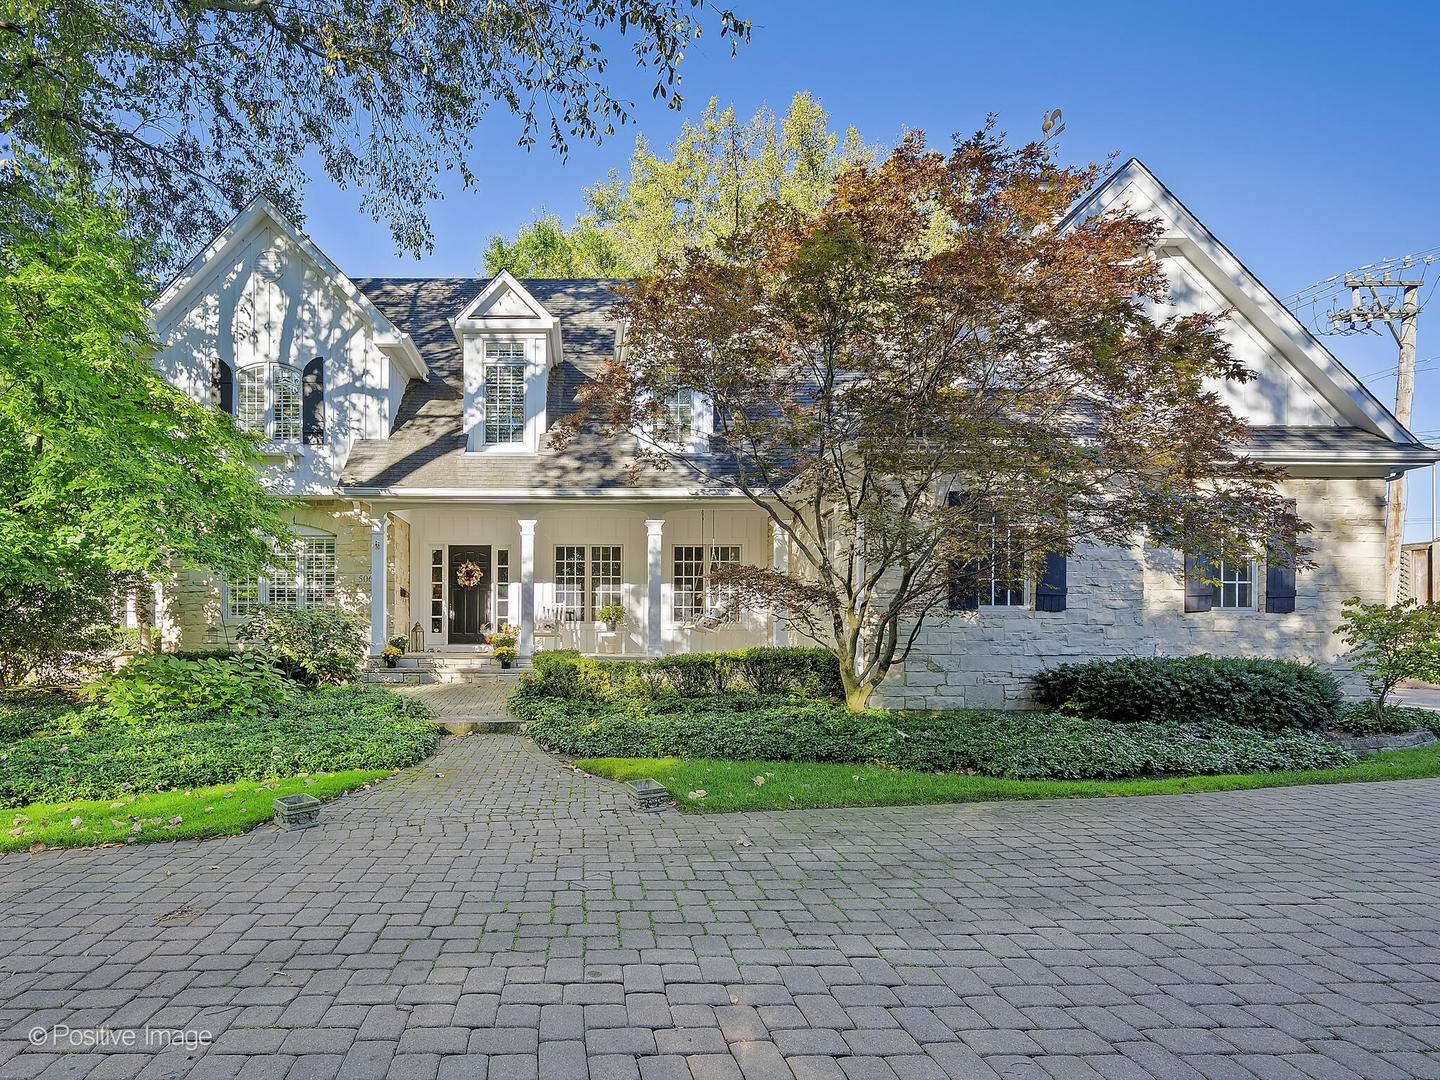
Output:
x=1302 y=134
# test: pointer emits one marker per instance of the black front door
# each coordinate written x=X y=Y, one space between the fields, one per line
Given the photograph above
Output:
x=469 y=593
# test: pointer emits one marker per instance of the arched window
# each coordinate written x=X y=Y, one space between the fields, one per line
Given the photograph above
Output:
x=268 y=402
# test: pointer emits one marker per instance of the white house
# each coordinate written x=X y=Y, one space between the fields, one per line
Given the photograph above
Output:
x=406 y=423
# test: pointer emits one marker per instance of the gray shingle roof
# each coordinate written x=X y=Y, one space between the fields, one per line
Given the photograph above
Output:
x=427 y=446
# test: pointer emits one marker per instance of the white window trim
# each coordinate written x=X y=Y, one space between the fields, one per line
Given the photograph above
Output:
x=267 y=426
x=988 y=577
x=587 y=583
x=1219 y=587
x=702 y=424
x=265 y=582
x=534 y=384
x=707 y=604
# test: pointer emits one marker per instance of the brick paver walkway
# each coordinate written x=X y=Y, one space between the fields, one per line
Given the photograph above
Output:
x=483 y=698
x=495 y=915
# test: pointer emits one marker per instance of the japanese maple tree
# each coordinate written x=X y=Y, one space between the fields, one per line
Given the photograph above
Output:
x=936 y=369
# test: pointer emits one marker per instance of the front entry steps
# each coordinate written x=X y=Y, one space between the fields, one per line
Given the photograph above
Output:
x=464 y=725
x=438 y=668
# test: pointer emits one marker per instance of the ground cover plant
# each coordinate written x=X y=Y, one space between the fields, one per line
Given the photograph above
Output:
x=57 y=749
x=1011 y=745
x=1365 y=718
x=706 y=786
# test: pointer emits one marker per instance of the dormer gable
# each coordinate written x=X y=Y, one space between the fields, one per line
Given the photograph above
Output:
x=509 y=342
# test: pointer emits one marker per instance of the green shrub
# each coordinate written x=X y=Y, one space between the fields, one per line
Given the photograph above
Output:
x=1010 y=745
x=220 y=652
x=83 y=755
x=805 y=672
x=313 y=645
x=1391 y=644
x=162 y=688
x=1363 y=718
x=1268 y=695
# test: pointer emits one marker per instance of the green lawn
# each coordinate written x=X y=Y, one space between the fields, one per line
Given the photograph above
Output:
x=788 y=785
x=222 y=810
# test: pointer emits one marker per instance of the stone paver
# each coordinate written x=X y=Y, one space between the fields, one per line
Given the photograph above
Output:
x=482 y=698
x=493 y=913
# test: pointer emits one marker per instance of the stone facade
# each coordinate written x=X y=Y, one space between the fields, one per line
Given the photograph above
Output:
x=1130 y=602
x=191 y=612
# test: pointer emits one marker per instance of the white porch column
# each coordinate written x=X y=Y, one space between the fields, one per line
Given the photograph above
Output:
x=378 y=556
x=655 y=529
x=526 y=645
x=780 y=625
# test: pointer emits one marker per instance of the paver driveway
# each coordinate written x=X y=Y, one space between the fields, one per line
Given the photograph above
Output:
x=493 y=913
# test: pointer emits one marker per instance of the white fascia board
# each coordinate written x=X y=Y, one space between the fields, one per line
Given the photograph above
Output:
x=503 y=282
x=387 y=336
x=1294 y=343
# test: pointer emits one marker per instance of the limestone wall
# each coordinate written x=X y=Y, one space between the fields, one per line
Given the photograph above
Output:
x=1130 y=602
x=192 y=612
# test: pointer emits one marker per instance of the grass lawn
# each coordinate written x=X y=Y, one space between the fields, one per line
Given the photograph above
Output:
x=790 y=785
x=221 y=810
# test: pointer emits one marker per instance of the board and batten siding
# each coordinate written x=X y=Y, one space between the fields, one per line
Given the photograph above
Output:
x=270 y=302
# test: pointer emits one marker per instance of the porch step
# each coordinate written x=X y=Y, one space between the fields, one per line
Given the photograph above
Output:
x=481 y=725
x=439 y=670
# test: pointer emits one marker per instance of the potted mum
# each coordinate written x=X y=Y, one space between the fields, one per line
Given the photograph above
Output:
x=391 y=655
x=610 y=615
x=506 y=655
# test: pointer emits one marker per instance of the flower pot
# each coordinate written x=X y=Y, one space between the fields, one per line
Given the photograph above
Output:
x=506 y=664
x=390 y=662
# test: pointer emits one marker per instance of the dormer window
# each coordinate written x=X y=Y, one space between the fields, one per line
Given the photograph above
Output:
x=677 y=424
x=268 y=402
x=504 y=392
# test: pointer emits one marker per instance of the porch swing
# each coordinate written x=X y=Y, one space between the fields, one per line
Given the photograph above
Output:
x=710 y=621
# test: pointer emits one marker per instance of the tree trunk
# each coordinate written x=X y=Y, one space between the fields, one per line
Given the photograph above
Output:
x=857 y=696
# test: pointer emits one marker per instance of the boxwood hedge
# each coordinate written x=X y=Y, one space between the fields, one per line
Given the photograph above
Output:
x=802 y=672
x=1269 y=695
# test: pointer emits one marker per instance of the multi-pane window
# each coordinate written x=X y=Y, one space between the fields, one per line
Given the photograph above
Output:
x=604 y=577
x=244 y=597
x=437 y=590
x=504 y=392
x=693 y=593
x=306 y=579
x=285 y=383
x=586 y=579
x=1002 y=570
x=1236 y=584
x=570 y=582
x=502 y=586
x=677 y=422
x=268 y=401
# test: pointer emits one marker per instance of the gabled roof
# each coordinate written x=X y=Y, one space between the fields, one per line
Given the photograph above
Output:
x=260 y=212
x=505 y=304
x=1291 y=342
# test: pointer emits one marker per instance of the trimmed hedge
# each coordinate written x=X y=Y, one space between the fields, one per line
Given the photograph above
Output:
x=78 y=753
x=810 y=673
x=1010 y=745
x=1268 y=695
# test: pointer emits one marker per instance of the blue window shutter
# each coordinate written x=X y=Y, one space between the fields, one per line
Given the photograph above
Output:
x=1199 y=592
x=1051 y=589
x=312 y=402
x=1280 y=576
x=963 y=596
x=222 y=386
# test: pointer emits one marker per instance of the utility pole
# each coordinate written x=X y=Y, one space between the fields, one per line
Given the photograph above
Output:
x=1364 y=312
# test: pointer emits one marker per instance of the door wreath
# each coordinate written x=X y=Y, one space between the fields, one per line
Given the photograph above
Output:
x=468 y=574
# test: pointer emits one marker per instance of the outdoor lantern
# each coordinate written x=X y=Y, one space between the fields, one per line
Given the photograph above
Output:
x=417 y=638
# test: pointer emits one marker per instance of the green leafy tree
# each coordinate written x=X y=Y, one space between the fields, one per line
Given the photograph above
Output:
x=717 y=174
x=546 y=249
x=105 y=469
x=59 y=633
x=1391 y=644
x=928 y=376
x=193 y=108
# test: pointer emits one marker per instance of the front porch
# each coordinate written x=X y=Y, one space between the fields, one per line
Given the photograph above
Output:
x=560 y=571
